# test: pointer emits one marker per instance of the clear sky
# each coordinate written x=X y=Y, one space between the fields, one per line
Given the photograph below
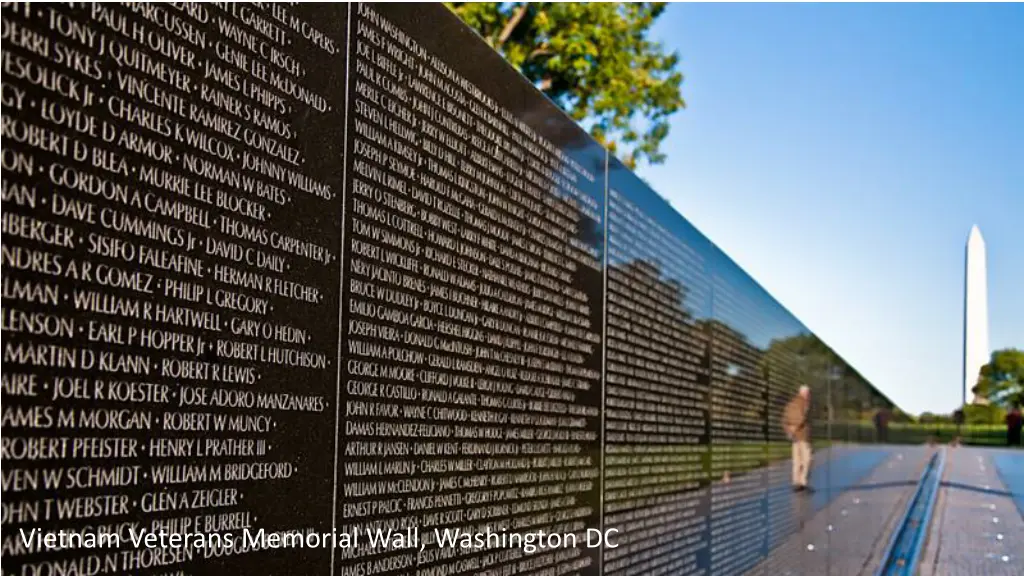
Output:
x=841 y=153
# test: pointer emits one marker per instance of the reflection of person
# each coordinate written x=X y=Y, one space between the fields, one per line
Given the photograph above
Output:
x=798 y=429
x=1014 y=423
x=882 y=424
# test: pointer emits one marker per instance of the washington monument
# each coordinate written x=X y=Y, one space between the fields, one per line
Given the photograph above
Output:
x=976 y=351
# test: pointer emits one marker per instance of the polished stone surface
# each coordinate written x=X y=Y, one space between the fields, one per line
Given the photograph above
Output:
x=846 y=529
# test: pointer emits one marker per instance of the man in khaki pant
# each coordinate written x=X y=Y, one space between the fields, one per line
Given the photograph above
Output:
x=798 y=429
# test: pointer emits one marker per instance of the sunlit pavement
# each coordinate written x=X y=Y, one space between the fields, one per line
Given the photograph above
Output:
x=846 y=523
x=834 y=471
x=1010 y=466
x=843 y=529
x=978 y=527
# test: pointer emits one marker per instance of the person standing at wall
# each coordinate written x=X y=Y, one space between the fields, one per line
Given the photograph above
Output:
x=882 y=425
x=795 y=422
x=1014 y=423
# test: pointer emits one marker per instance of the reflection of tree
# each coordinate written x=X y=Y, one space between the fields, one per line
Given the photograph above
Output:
x=750 y=384
x=809 y=361
x=653 y=286
x=655 y=384
x=737 y=363
x=649 y=314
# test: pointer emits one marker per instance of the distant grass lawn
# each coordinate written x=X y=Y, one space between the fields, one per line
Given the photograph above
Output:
x=917 y=433
x=971 y=434
x=716 y=461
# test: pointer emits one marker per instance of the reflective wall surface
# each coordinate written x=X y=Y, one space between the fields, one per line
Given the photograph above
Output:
x=339 y=271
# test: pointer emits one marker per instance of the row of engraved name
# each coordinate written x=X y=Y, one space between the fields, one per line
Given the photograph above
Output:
x=685 y=385
x=681 y=358
x=109 y=304
x=626 y=247
x=135 y=392
x=112 y=276
x=403 y=269
x=132 y=223
x=472 y=395
x=356 y=409
x=628 y=361
x=451 y=178
x=673 y=320
x=462 y=182
x=104 y=144
x=106 y=332
x=519 y=248
x=633 y=235
x=652 y=325
x=86 y=184
x=652 y=412
x=114 y=505
x=617 y=396
x=641 y=278
x=459 y=100
x=461 y=230
x=466 y=93
x=184 y=134
x=493 y=346
x=147 y=49
x=381 y=320
x=546 y=206
x=42 y=417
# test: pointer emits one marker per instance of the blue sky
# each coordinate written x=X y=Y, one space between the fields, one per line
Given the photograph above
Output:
x=841 y=153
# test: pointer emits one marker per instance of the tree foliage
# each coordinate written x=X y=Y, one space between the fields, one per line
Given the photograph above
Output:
x=930 y=418
x=984 y=414
x=1002 y=380
x=594 y=60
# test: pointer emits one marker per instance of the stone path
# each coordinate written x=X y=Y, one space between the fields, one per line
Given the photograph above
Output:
x=778 y=512
x=848 y=535
x=1010 y=465
x=977 y=528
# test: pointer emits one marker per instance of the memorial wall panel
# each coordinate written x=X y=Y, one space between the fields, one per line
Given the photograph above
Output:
x=656 y=390
x=169 y=332
x=784 y=380
x=288 y=275
x=738 y=442
x=473 y=304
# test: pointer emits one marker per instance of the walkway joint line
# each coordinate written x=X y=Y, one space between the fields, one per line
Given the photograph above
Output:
x=904 y=550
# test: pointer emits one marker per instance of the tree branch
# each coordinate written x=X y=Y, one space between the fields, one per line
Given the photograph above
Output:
x=541 y=51
x=510 y=26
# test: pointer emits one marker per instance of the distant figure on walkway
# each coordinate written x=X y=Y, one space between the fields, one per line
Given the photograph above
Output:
x=959 y=418
x=1014 y=423
x=882 y=424
x=798 y=428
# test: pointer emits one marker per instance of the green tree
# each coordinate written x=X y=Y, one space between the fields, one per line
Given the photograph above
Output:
x=930 y=418
x=1002 y=380
x=984 y=414
x=594 y=60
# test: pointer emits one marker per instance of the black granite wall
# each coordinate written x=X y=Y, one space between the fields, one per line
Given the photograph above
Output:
x=320 y=273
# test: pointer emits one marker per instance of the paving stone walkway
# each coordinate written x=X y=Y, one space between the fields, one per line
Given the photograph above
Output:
x=977 y=528
x=848 y=536
x=1010 y=465
x=759 y=522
